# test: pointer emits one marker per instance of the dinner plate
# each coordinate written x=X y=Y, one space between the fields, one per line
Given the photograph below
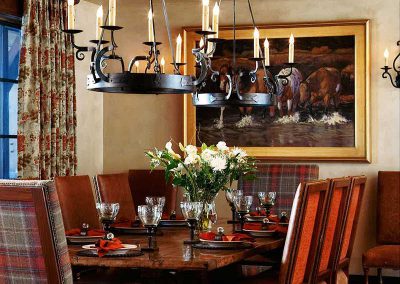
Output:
x=280 y=223
x=260 y=233
x=173 y=223
x=222 y=244
x=123 y=250
x=255 y=218
x=82 y=239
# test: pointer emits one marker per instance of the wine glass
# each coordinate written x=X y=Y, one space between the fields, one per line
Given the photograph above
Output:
x=229 y=195
x=107 y=214
x=150 y=215
x=155 y=200
x=191 y=211
x=267 y=200
x=242 y=205
x=211 y=212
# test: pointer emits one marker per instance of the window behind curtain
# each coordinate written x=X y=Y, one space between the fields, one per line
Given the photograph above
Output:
x=10 y=44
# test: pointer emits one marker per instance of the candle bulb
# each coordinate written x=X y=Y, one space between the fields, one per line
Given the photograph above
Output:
x=162 y=65
x=291 y=49
x=178 y=57
x=99 y=22
x=112 y=12
x=386 y=55
x=137 y=66
x=150 y=25
x=215 y=22
x=256 y=43
x=71 y=15
x=205 y=23
x=266 y=52
x=201 y=45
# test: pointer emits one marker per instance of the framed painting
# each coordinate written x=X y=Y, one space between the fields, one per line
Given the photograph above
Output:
x=321 y=114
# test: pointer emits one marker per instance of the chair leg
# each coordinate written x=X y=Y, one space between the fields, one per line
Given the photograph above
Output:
x=380 y=275
x=366 y=271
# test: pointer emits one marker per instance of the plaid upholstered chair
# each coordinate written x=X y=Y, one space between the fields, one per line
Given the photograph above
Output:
x=32 y=237
x=282 y=178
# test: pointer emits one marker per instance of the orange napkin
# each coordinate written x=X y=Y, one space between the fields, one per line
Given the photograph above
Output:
x=90 y=233
x=104 y=246
x=210 y=236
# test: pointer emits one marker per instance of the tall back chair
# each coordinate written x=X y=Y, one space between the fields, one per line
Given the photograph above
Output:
x=77 y=201
x=115 y=188
x=152 y=183
x=339 y=193
x=32 y=237
x=303 y=233
x=349 y=227
x=282 y=178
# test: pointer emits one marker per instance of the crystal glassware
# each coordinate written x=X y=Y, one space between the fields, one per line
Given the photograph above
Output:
x=211 y=212
x=229 y=195
x=150 y=215
x=191 y=211
x=267 y=200
x=107 y=214
x=242 y=205
x=155 y=200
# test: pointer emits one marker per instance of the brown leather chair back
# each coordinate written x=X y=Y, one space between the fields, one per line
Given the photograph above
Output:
x=115 y=188
x=152 y=183
x=338 y=197
x=388 y=215
x=303 y=233
x=77 y=202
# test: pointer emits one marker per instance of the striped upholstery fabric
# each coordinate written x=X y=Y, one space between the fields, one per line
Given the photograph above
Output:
x=21 y=257
x=282 y=178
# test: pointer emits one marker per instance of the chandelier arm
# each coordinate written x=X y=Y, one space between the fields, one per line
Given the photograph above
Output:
x=284 y=77
x=253 y=74
x=154 y=47
x=201 y=60
x=92 y=67
x=171 y=46
x=386 y=74
x=230 y=87
x=133 y=61
x=271 y=84
x=98 y=60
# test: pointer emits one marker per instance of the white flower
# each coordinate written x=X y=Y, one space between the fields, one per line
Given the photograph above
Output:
x=191 y=150
x=191 y=159
x=207 y=155
x=222 y=146
x=218 y=163
x=239 y=153
x=168 y=146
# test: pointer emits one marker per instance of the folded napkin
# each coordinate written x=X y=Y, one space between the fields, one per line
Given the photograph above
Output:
x=210 y=236
x=90 y=233
x=281 y=230
x=258 y=213
x=104 y=246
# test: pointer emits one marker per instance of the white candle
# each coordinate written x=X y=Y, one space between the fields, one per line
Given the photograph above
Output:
x=137 y=66
x=215 y=21
x=256 y=43
x=71 y=15
x=178 y=56
x=291 y=49
x=386 y=55
x=112 y=12
x=162 y=65
x=205 y=23
x=99 y=22
x=150 y=25
x=266 y=52
x=201 y=45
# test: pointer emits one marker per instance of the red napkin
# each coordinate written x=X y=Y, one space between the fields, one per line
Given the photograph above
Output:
x=258 y=213
x=210 y=236
x=90 y=233
x=104 y=246
x=281 y=230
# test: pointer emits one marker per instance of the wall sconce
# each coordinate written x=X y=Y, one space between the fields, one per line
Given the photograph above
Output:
x=386 y=68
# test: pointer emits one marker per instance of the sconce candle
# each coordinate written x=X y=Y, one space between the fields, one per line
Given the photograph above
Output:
x=291 y=49
x=215 y=22
x=71 y=15
x=162 y=65
x=178 y=56
x=386 y=55
x=266 y=52
x=137 y=66
x=99 y=22
x=205 y=23
x=112 y=12
x=150 y=25
x=256 y=43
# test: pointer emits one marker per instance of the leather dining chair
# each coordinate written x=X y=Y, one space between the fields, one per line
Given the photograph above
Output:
x=387 y=252
x=115 y=188
x=77 y=201
x=32 y=237
x=152 y=183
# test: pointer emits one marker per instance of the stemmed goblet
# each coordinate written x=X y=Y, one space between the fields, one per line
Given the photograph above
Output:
x=229 y=195
x=191 y=211
x=267 y=200
x=150 y=215
x=242 y=205
x=155 y=200
x=107 y=214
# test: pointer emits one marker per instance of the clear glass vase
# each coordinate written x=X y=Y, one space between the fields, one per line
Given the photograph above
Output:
x=209 y=216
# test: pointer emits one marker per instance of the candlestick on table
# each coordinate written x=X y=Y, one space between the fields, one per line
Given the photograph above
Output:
x=256 y=43
x=112 y=12
x=266 y=52
x=71 y=15
x=291 y=49
x=178 y=56
x=386 y=55
x=150 y=25
x=205 y=23
x=99 y=22
x=215 y=21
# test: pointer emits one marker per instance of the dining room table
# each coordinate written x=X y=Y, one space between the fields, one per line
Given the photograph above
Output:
x=173 y=255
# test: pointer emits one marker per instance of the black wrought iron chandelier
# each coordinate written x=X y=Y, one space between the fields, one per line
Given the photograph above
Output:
x=386 y=69
x=154 y=80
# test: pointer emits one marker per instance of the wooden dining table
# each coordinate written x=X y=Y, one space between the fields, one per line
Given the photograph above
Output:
x=174 y=255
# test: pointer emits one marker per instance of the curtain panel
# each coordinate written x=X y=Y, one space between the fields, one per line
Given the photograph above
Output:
x=46 y=93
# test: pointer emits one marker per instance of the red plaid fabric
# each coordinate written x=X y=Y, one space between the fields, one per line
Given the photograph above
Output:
x=21 y=258
x=282 y=178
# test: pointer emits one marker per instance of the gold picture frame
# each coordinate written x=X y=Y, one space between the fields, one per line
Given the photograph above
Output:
x=359 y=29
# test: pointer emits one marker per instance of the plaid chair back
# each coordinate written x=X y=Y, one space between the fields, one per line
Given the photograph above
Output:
x=33 y=247
x=282 y=178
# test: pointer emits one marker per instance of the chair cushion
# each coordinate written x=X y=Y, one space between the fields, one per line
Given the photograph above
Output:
x=386 y=256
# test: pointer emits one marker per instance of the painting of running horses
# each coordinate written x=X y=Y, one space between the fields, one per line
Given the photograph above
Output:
x=316 y=108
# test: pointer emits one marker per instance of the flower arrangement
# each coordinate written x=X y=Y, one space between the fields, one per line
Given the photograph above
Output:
x=204 y=172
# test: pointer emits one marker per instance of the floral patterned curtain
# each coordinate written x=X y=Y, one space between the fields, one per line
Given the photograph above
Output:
x=46 y=93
